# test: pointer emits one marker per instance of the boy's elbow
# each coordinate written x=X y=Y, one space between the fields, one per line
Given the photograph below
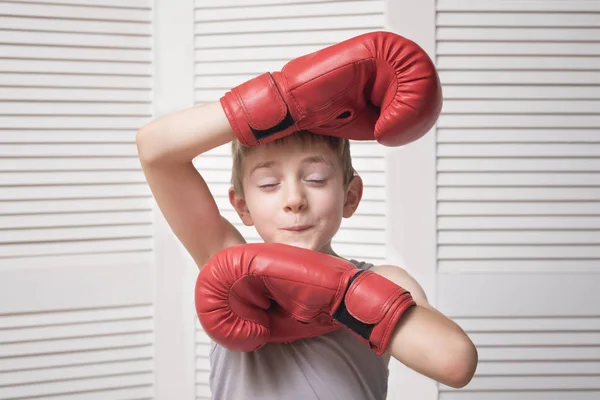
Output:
x=144 y=149
x=460 y=369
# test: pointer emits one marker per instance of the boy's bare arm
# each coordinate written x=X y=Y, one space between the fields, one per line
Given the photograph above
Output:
x=166 y=148
x=427 y=341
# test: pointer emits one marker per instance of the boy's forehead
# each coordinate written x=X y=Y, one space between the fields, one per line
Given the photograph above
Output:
x=290 y=152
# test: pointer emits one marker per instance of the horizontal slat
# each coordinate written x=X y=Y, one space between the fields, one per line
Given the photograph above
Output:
x=541 y=237
x=68 y=150
x=481 y=34
x=537 y=368
x=516 y=135
x=537 y=266
x=255 y=53
x=524 y=62
x=48 y=361
x=514 y=208
x=534 y=383
x=520 y=92
x=38 y=163
x=518 y=252
x=517 y=179
x=226 y=4
x=370 y=21
x=78 y=316
x=19 y=221
x=76 y=67
x=137 y=207
x=53 y=235
x=522 y=107
x=100 y=259
x=78 y=330
x=81 y=81
x=324 y=37
x=142 y=4
x=519 y=194
x=111 y=27
x=72 y=94
x=517 y=5
x=518 y=150
x=72 y=53
x=529 y=324
x=101 y=109
x=57 y=11
x=518 y=121
x=61 y=136
x=521 y=77
x=77 y=122
x=540 y=353
x=520 y=395
x=73 y=247
x=77 y=385
x=567 y=338
x=76 y=40
x=74 y=192
x=519 y=164
x=78 y=372
x=75 y=344
x=518 y=222
x=518 y=48
x=277 y=11
x=524 y=19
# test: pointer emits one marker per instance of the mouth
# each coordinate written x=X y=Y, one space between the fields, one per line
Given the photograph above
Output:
x=297 y=228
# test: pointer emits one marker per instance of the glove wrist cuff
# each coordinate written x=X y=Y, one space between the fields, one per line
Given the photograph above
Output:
x=257 y=111
x=371 y=308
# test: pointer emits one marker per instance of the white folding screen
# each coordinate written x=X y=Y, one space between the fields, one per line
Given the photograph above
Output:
x=76 y=277
x=518 y=193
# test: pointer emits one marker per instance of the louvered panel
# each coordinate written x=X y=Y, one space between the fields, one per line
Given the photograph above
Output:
x=533 y=354
x=227 y=4
x=236 y=41
x=68 y=354
x=76 y=312
x=517 y=139
x=202 y=363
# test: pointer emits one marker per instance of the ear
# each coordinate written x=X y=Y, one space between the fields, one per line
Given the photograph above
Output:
x=239 y=203
x=353 y=196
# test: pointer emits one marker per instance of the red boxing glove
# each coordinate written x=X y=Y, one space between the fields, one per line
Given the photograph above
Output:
x=374 y=86
x=235 y=288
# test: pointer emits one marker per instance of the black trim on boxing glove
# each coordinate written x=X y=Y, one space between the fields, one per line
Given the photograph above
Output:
x=343 y=316
x=284 y=124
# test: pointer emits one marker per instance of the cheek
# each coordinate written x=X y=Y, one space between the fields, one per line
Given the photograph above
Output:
x=330 y=203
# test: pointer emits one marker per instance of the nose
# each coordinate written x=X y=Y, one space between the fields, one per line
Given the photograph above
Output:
x=295 y=199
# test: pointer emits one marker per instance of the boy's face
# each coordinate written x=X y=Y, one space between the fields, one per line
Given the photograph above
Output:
x=294 y=194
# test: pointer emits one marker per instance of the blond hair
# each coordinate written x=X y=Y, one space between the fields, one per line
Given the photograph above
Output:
x=341 y=148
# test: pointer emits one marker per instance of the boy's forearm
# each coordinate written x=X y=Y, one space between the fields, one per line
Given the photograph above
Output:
x=179 y=137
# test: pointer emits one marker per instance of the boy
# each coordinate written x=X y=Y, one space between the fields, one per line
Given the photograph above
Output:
x=295 y=186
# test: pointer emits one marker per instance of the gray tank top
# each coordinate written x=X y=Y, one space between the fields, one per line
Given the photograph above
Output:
x=328 y=367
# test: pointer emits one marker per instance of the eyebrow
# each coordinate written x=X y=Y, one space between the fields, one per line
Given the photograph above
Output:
x=307 y=160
